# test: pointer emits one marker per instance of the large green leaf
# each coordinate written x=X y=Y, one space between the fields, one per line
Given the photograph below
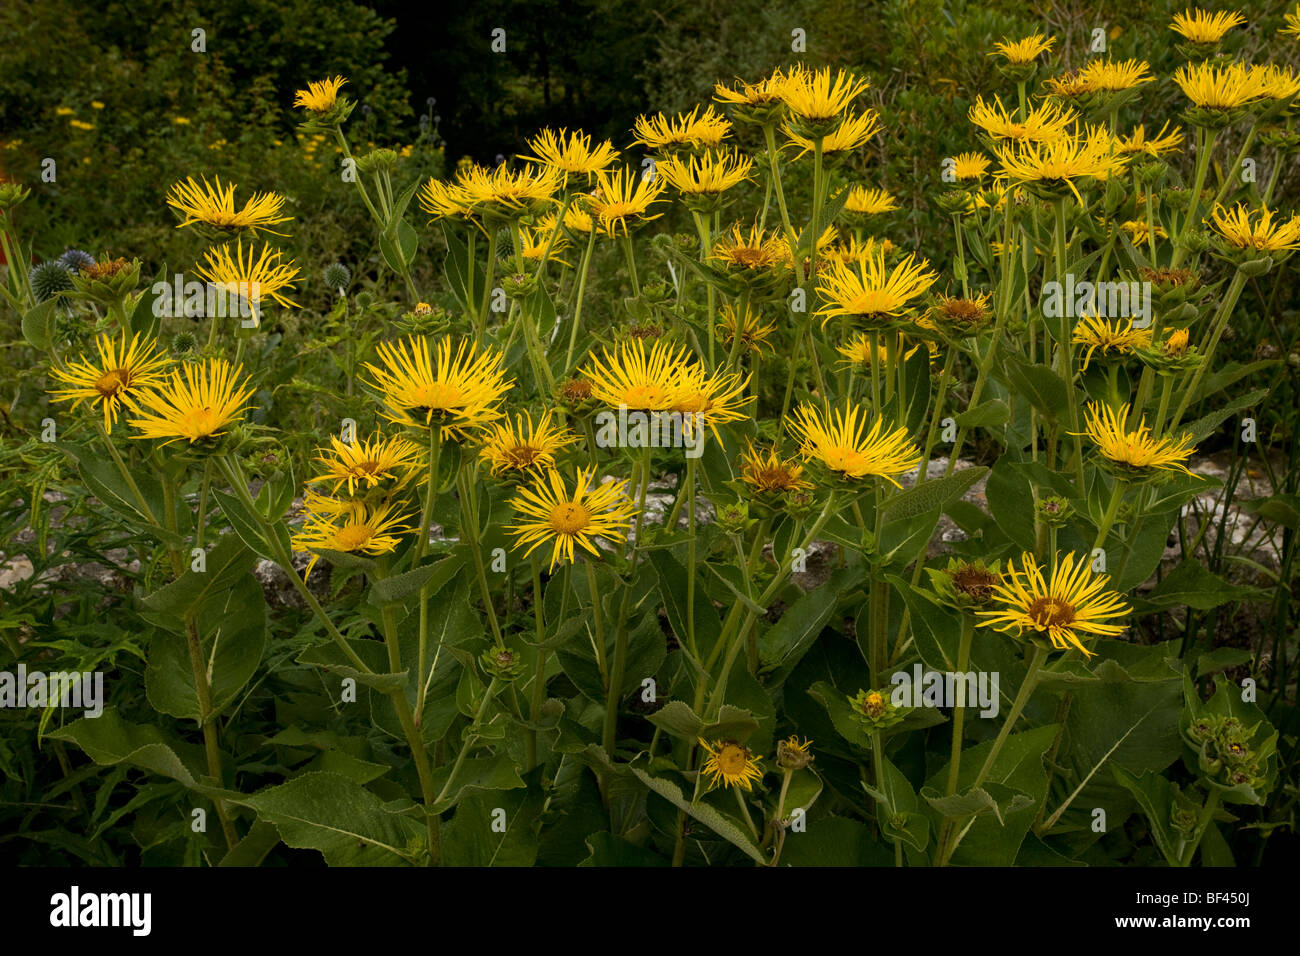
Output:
x=497 y=828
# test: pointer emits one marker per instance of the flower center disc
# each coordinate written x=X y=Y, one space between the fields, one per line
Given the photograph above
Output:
x=1048 y=612
x=731 y=760
x=438 y=396
x=847 y=460
x=353 y=536
x=644 y=396
x=199 y=422
x=522 y=456
x=569 y=517
x=113 y=382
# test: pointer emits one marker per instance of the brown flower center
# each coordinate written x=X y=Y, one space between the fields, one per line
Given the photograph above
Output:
x=350 y=537
x=569 y=517
x=113 y=382
x=1048 y=612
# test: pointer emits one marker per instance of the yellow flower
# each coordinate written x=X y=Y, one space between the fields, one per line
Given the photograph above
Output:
x=841 y=445
x=124 y=370
x=1135 y=451
x=1112 y=77
x=1236 y=226
x=215 y=206
x=1118 y=335
x=533 y=243
x=1139 y=233
x=858 y=351
x=962 y=317
x=660 y=134
x=96 y=105
x=248 y=277
x=181 y=120
x=814 y=95
x=443 y=200
x=1070 y=84
x=624 y=196
x=1024 y=51
x=730 y=764
x=758 y=250
x=762 y=93
x=708 y=399
x=750 y=327
x=354 y=528
x=394 y=461
x=868 y=287
x=79 y=124
x=708 y=175
x=1275 y=82
x=63 y=111
x=1046 y=122
x=1215 y=87
x=869 y=202
x=1201 y=26
x=548 y=512
x=969 y=166
x=640 y=381
x=856 y=129
x=768 y=473
x=1292 y=23
x=1069 y=608
x=1062 y=160
x=422 y=385
x=200 y=400
x=508 y=194
x=319 y=97
x=1137 y=142
x=522 y=446
x=570 y=153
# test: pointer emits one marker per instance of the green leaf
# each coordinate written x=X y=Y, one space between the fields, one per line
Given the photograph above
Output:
x=610 y=850
x=673 y=591
x=108 y=740
x=785 y=643
x=1009 y=496
x=474 y=836
x=338 y=817
x=245 y=523
x=703 y=813
x=1040 y=384
x=105 y=482
x=227 y=561
x=988 y=414
x=933 y=495
x=678 y=719
x=38 y=325
x=331 y=657
x=399 y=587
x=398 y=246
x=1203 y=428
x=1155 y=795
x=1191 y=585
x=476 y=773
x=260 y=840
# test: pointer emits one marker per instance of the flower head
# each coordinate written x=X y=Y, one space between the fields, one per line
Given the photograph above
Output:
x=730 y=764
x=869 y=202
x=1023 y=51
x=769 y=474
x=251 y=277
x=571 y=153
x=623 y=197
x=1071 y=607
x=521 y=446
x=350 y=527
x=1061 y=161
x=1045 y=122
x=196 y=403
x=511 y=194
x=320 y=97
x=124 y=370
x=870 y=289
x=423 y=385
x=1244 y=229
x=1137 y=142
x=816 y=95
x=391 y=463
x=845 y=446
x=214 y=206
x=640 y=379
x=709 y=175
x=1201 y=26
x=1211 y=86
x=1137 y=453
x=684 y=131
x=1109 y=335
x=548 y=512
x=751 y=328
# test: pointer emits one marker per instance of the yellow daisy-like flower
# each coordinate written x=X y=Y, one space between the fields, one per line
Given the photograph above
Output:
x=1023 y=51
x=1175 y=346
x=124 y=370
x=962 y=317
x=634 y=378
x=769 y=474
x=840 y=444
x=423 y=385
x=320 y=97
x=707 y=400
x=709 y=175
x=199 y=400
x=576 y=219
x=534 y=242
x=851 y=134
x=622 y=196
x=443 y=200
x=367 y=465
x=351 y=527
x=215 y=206
x=851 y=251
x=1070 y=84
x=969 y=166
x=1137 y=142
x=1139 y=233
x=858 y=351
x=868 y=287
x=511 y=194
x=1219 y=87
x=762 y=93
x=1045 y=122
x=1276 y=82
x=1201 y=26
x=1108 y=76
x=815 y=95
x=521 y=446
x=757 y=250
x=1117 y=335
x=1292 y=27
x=548 y=512
x=662 y=134
x=1063 y=160
x=1256 y=230
x=869 y=202
x=251 y=277
x=571 y=153
x=1136 y=451
x=730 y=764
x=81 y=124
x=751 y=328
x=1069 y=608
